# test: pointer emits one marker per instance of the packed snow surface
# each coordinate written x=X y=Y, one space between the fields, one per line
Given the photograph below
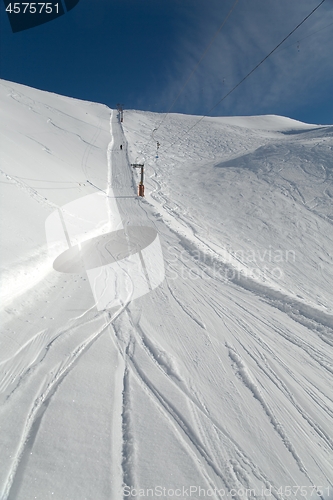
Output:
x=214 y=382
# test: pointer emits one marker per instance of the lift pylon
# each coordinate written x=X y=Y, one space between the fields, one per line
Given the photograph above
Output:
x=141 y=187
x=120 y=109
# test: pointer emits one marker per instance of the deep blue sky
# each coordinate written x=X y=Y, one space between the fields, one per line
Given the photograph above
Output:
x=141 y=52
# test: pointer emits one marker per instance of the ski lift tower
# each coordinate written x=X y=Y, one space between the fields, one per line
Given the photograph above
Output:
x=120 y=108
x=141 y=188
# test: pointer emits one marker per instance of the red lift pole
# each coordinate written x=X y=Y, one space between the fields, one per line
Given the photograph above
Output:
x=141 y=187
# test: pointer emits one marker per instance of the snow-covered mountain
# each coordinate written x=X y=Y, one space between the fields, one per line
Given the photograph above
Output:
x=206 y=372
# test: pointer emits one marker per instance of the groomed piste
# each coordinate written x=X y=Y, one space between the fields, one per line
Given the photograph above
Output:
x=209 y=373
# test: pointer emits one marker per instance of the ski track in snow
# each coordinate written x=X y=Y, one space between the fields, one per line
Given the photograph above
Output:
x=182 y=428
x=30 y=191
x=233 y=474
x=228 y=477
x=269 y=372
x=303 y=313
x=248 y=380
x=41 y=402
x=33 y=352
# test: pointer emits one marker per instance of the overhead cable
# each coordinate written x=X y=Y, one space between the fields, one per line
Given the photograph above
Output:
x=307 y=36
x=247 y=76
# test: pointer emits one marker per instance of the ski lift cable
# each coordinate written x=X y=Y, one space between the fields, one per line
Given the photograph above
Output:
x=199 y=62
x=307 y=36
x=194 y=69
x=245 y=77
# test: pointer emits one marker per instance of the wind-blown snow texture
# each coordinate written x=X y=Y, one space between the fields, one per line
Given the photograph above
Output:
x=219 y=379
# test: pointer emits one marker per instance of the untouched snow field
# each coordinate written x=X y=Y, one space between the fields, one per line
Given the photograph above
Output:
x=218 y=382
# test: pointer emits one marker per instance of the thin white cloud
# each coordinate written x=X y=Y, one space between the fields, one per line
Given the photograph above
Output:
x=289 y=77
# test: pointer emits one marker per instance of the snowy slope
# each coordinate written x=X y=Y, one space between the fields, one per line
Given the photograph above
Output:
x=221 y=377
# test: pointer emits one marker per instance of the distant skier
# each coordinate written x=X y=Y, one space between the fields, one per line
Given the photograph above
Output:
x=121 y=146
